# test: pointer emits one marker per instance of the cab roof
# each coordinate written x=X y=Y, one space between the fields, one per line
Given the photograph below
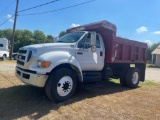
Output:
x=97 y=26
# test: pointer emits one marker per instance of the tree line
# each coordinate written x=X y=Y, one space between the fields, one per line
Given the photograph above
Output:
x=26 y=37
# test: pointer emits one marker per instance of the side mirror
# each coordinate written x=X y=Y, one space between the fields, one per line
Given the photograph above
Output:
x=93 y=41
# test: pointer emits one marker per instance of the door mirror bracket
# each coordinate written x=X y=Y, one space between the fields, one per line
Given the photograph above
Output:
x=93 y=42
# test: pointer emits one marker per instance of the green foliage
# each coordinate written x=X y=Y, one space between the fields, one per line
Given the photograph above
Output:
x=61 y=34
x=50 y=39
x=1 y=33
x=149 y=56
x=154 y=46
x=150 y=83
x=39 y=37
x=22 y=38
x=7 y=33
x=26 y=37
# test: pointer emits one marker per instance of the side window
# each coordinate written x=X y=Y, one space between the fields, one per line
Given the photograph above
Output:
x=81 y=43
x=97 y=42
x=1 y=45
x=85 y=42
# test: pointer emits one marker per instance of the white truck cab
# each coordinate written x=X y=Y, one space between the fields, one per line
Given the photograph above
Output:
x=4 y=48
x=74 y=53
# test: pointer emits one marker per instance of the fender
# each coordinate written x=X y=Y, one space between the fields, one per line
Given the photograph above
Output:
x=4 y=53
x=56 y=58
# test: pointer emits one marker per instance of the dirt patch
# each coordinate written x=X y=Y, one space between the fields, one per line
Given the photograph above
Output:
x=7 y=65
x=110 y=101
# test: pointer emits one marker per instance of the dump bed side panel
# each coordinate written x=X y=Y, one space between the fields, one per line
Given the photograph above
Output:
x=129 y=51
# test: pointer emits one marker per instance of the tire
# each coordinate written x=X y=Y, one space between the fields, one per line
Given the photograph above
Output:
x=4 y=57
x=132 y=77
x=123 y=78
x=61 y=85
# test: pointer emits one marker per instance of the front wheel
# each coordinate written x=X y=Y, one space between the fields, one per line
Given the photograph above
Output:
x=61 y=85
x=132 y=77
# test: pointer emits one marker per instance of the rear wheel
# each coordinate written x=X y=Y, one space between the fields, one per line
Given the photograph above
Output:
x=123 y=78
x=61 y=85
x=132 y=77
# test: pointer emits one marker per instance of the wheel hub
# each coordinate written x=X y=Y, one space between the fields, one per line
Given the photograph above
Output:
x=64 y=86
x=135 y=78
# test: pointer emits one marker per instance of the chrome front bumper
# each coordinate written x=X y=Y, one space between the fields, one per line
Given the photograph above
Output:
x=31 y=78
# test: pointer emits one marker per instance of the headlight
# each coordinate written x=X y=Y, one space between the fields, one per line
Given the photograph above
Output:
x=43 y=64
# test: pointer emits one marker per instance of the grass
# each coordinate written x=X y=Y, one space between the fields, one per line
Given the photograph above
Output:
x=147 y=83
x=150 y=83
x=109 y=101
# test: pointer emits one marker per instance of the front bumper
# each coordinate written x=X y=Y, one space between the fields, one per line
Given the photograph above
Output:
x=31 y=78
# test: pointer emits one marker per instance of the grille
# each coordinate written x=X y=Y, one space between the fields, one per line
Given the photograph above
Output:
x=20 y=62
x=29 y=55
x=23 y=57
x=26 y=76
x=18 y=72
x=23 y=51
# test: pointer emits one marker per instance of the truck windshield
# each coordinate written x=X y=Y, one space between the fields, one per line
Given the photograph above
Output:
x=70 y=38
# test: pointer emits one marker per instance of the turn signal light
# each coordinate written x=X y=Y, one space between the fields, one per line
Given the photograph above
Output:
x=44 y=64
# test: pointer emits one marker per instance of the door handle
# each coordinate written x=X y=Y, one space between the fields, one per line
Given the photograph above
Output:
x=101 y=53
x=80 y=53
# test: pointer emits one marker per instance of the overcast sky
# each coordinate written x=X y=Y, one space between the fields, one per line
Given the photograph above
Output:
x=135 y=19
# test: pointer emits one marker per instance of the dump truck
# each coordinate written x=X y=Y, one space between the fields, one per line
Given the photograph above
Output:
x=87 y=54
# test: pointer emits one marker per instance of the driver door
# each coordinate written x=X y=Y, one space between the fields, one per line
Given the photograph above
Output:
x=89 y=60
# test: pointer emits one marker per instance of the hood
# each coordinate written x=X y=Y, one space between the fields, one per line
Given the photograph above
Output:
x=49 y=45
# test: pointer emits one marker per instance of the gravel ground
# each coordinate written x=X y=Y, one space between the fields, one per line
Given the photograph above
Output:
x=152 y=74
x=7 y=66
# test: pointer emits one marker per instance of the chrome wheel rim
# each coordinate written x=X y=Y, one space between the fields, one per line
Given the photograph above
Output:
x=135 y=78
x=64 y=86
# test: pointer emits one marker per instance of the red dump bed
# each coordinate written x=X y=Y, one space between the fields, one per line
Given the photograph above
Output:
x=117 y=50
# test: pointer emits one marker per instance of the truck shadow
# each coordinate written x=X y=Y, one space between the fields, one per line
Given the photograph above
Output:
x=24 y=100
